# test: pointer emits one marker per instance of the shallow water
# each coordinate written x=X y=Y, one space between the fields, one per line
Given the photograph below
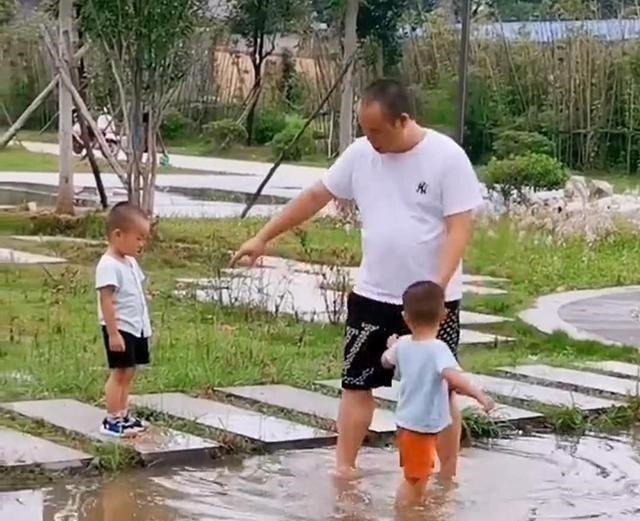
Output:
x=527 y=479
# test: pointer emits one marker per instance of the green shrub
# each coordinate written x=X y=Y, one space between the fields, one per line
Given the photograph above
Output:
x=304 y=146
x=514 y=176
x=226 y=132
x=511 y=143
x=269 y=122
x=176 y=125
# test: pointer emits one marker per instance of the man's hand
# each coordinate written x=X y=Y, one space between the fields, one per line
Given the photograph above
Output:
x=487 y=403
x=116 y=342
x=249 y=252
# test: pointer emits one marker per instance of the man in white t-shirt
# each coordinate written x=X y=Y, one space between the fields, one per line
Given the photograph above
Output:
x=416 y=192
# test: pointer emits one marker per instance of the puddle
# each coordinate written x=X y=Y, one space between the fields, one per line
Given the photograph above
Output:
x=169 y=201
x=527 y=479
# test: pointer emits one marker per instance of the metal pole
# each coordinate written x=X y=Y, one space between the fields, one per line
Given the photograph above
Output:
x=463 y=69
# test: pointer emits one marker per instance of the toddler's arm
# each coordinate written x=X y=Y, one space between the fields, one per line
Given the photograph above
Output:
x=461 y=384
x=390 y=356
x=116 y=342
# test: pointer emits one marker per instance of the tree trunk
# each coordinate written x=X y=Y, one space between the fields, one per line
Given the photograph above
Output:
x=251 y=115
x=346 y=101
x=346 y=209
x=64 y=203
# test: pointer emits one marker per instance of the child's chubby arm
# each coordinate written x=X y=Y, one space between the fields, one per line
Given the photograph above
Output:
x=107 y=305
x=390 y=356
x=461 y=384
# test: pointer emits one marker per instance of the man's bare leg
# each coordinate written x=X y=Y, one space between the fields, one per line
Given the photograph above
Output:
x=449 y=442
x=354 y=419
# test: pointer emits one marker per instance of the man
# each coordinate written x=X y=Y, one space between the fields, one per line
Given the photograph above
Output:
x=416 y=192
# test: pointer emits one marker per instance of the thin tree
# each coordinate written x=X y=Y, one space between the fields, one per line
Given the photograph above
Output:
x=148 y=49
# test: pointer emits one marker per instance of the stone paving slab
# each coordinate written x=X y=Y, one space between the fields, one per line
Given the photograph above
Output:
x=22 y=505
x=482 y=290
x=155 y=445
x=575 y=379
x=308 y=402
x=614 y=368
x=468 y=318
x=526 y=392
x=55 y=238
x=19 y=449
x=255 y=426
x=8 y=256
x=470 y=337
x=503 y=413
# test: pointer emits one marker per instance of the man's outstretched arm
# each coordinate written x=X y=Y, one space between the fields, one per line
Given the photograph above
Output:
x=301 y=209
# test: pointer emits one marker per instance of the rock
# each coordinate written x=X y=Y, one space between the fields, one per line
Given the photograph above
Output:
x=32 y=207
x=577 y=188
x=599 y=189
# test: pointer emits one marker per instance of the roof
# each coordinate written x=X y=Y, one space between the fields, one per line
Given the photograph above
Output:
x=549 y=31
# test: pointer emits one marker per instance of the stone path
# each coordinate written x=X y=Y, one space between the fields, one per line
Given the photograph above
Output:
x=8 y=256
x=306 y=290
x=307 y=402
x=55 y=238
x=573 y=378
x=260 y=428
x=613 y=368
x=610 y=316
x=503 y=413
x=158 y=444
x=18 y=449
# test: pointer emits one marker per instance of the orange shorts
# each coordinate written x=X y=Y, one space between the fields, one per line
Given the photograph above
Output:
x=417 y=454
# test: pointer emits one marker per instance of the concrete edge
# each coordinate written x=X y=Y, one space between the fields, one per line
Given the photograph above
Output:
x=545 y=317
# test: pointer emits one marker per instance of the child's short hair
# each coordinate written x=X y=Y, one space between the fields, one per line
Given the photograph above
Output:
x=122 y=216
x=423 y=302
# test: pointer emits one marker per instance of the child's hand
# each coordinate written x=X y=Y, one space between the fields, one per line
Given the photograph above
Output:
x=391 y=341
x=116 y=343
x=488 y=404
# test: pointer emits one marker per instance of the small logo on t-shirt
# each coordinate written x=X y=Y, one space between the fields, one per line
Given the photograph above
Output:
x=422 y=188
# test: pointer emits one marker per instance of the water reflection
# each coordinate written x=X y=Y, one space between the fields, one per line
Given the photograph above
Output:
x=528 y=479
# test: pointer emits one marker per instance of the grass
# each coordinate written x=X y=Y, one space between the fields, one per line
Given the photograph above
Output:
x=48 y=328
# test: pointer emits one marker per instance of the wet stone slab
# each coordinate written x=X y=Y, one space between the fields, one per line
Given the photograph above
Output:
x=613 y=316
x=504 y=413
x=525 y=392
x=468 y=318
x=154 y=446
x=308 y=402
x=260 y=428
x=614 y=368
x=482 y=290
x=470 y=337
x=582 y=380
x=18 y=449
x=55 y=238
x=22 y=505
x=8 y=256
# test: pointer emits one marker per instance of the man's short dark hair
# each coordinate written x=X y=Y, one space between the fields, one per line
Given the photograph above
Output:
x=423 y=302
x=392 y=96
x=123 y=215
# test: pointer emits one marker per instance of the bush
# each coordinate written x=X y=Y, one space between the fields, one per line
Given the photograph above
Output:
x=226 y=132
x=176 y=125
x=517 y=175
x=305 y=145
x=511 y=143
x=270 y=121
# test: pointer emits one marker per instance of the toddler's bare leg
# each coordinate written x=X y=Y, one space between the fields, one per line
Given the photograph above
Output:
x=449 y=442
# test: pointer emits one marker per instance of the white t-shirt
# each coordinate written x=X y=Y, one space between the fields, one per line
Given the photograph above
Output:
x=403 y=200
x=132 y=312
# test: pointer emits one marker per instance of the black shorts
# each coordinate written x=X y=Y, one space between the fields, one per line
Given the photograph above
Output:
x=136 y=351
x=369 y=325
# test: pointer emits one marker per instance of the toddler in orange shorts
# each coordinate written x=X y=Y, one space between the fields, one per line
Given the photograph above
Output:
x=427 y=371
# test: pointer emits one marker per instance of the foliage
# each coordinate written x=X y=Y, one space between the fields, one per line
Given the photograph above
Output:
x=281 y=141
x=380 y=21
x=176 y=125
x=580 y=91
x=7 y=11
x=512 y=143
x=225 y=132
x=148 y=50
x=289 y=84
x=516 y=175
x=270 y=121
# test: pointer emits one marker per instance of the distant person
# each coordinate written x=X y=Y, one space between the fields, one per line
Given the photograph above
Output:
x=427 y=371
x=416 y=193
x=123 y=313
